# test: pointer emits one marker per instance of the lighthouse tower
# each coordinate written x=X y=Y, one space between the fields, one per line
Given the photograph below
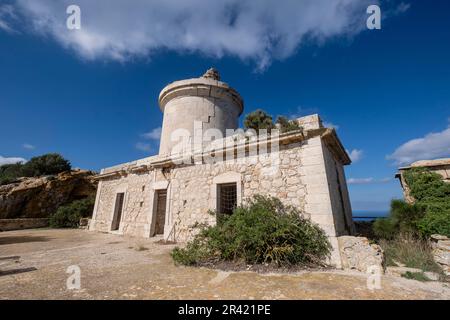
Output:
x=205 y=101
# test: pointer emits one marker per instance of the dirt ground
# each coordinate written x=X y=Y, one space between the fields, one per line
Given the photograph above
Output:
x=33 y=265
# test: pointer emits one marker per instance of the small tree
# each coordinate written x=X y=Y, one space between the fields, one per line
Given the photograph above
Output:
x=47 y=164
x=259 y=119
x=10 y=172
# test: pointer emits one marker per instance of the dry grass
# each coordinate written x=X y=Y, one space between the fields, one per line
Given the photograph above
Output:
x=411 y=252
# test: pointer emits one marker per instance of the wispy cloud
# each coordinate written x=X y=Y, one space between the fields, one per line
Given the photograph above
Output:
x=28 y=146
x=302 y=111
x=367 y=180
x=11 y=160
x=7 y=17
x=359 y=180
x=259 y=31
x=355 y=155
x=154 y=134
x=146 y=147
x=432 y=146
x=330 y=125
x=402 y=7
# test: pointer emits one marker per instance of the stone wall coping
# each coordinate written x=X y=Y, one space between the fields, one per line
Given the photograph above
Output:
x=328 y=135
x=445 y=162
x=334 y=144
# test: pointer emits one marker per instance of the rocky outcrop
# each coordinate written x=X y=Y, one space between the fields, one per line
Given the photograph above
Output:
x=39 y=197
x=358 y=254
x=441 y=251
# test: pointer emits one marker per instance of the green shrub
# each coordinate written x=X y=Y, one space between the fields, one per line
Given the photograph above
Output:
x=47 y=164
x=419 y=276
x=426 y=186
x=69 y=216
x=431 y=192
x=10 y=172
x=403 y=218
x=435 y=222
x=384 y=228
x=261 y=231
x=429 y=214
x=258 y=120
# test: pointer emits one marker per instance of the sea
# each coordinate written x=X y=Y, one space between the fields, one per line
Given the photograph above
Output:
x=368 y=215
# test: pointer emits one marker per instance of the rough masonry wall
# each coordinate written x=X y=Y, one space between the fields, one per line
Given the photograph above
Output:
x=340 y=200
x=137 y=207
x=298 y=179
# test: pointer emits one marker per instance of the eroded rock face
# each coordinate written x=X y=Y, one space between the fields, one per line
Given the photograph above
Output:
x=441 y=251
x=358 y=254
x=39 y=197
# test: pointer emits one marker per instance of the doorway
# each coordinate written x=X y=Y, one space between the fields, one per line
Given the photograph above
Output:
x=161 y=199
x=118 y=208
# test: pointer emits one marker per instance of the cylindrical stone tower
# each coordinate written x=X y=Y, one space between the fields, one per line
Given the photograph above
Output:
x=205 y=100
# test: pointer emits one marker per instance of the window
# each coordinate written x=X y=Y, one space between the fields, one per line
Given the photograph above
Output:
x=227 y=198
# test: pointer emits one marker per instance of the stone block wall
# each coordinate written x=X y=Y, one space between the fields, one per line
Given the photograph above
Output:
x=339 y=197
x=137 y=206
x=441 y=251
x=192 y=188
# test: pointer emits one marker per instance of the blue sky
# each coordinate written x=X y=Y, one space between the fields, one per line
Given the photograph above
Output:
x=93 y=101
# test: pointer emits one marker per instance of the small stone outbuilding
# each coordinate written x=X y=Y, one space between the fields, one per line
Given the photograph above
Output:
x=439 y=166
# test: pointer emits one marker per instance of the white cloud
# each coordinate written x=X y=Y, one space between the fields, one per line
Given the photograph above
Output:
x=11 y=160
x=28 y=146
x=146 y=147
x=330 y=125
x=431 y=146
x=154 y=134
x=260 y=31
x=355 y=155
x=367 y=180
x=7 y=17
x=359 y=180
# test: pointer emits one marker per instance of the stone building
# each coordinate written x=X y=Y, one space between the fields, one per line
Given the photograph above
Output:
x=439 y=166
x=171 y=193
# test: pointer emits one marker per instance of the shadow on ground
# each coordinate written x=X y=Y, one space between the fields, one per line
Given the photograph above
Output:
x=22 y=239
x=16 y=271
